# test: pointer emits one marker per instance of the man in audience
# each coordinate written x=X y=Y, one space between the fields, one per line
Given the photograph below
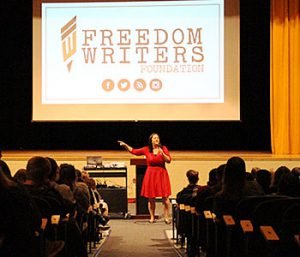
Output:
x=99 y=206
x=37 y=183
x=209 y=190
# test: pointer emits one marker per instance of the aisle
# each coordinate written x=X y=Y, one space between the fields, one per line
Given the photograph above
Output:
x=136 y=238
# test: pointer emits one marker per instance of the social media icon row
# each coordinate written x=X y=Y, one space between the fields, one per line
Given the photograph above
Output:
x=124 y=85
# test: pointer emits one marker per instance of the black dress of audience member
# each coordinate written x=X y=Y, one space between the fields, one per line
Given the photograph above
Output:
x=19 y=220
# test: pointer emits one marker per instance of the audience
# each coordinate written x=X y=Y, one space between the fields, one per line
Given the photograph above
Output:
x=277 y=174
x=68 y=192
x=19 y=220
x=264 y=178
x=192 y=188
x=234 y=187
x=20 y=176
x=288 y=185
x=210 y=190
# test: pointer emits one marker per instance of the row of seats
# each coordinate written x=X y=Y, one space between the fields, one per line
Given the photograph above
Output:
x=258 y=226
x=54 y=236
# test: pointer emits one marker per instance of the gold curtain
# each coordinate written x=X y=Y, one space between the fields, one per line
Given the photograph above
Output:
x=285 y=76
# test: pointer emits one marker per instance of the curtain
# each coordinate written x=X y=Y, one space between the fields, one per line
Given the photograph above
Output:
x=285 y=76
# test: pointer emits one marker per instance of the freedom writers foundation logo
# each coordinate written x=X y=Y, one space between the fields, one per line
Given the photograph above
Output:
x=68 y=41
x=156 y=51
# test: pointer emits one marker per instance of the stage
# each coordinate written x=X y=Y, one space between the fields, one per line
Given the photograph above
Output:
x=202 y=161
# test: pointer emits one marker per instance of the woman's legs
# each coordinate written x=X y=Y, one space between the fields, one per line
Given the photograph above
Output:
x=151 y=208
x=166 y=203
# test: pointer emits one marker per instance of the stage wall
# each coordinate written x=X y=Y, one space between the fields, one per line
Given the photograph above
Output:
x=182 y=161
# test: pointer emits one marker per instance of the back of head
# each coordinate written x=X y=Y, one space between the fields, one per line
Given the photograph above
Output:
x=220 y=172
x=289 y=185
x=193 y=176
x=54 y=168
x=38 y=170
x=264 y=177
x=20 y=176
x=212 y=177
x=67 y=174
x=234 y=174
x=278 y=173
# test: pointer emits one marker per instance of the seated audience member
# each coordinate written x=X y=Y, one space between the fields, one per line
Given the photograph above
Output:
x=54 y=173
x=277 y=174
x=289 y=185
x=37 y=183
x=38 y=170
x=66 y=182
x=63 y=189
x=99 y=206
x=264 y=178
x=19 y=220
x=254 y=170
x=210 y=190
x=20 y=176
x=192 y=188
x=252 y=186
x=5 y=169
x=186 y=196
x=212 y=178
x=82 y=194
x=296 y=172
x=234 y=187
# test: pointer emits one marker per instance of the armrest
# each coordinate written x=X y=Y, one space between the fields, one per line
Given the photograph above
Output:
x=55 y=219
x=268 y=233
x=247 y=226
x=207 y=215
x=229 y=221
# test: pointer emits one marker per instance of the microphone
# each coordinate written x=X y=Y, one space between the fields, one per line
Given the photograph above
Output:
x=159 y=146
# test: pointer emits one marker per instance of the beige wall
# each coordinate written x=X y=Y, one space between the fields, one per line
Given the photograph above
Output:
x=177 y=168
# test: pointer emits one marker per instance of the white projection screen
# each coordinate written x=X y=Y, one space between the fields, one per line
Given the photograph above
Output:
x=136 y=60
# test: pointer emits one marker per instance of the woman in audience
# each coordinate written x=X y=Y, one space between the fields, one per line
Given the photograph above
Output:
x=209 y=191
x=66 y=182
x=81 y=193
x=289 y=185
x=20 y=176
x=264 y=178
x=19 y=220
x=277 y=174
x=234 y=187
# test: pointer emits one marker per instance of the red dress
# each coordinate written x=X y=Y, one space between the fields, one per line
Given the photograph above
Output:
x=156 y=181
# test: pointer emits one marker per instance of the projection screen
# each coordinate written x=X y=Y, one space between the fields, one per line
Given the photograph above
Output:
x=136 y=60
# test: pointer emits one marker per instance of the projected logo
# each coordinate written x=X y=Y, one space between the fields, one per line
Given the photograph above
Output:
x=68 y=41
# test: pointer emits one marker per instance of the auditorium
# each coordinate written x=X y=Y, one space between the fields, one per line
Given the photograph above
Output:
x=150 y=128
